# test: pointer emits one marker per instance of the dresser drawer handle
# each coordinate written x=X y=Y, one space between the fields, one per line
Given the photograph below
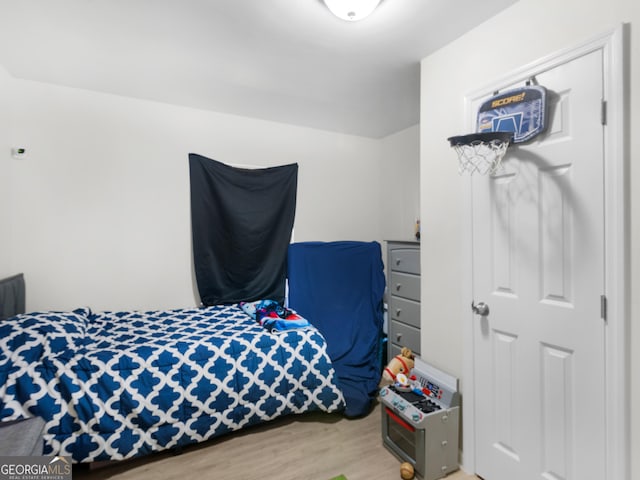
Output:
x=398 y=261
x=398 y=312
x=398 y=337
x=398 y=287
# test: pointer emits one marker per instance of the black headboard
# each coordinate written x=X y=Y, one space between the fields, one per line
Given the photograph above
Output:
x=12 y=296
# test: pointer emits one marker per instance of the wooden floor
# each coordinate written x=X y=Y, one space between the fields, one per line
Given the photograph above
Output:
x=315 y=446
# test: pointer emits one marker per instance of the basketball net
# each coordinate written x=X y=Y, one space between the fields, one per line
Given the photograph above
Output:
x=480 y=152
x=481 y=157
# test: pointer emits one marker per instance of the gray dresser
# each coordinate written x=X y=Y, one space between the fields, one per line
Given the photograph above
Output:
x=403 y=286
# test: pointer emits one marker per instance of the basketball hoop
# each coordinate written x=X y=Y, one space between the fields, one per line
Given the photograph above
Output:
x=480 y=152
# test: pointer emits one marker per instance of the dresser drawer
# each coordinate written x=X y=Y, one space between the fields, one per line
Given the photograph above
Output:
x=405 y=311
x=402 y=335
x=405 y=260
x=404 y=285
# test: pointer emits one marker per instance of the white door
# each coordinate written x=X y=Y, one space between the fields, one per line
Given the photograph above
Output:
x=538 y=263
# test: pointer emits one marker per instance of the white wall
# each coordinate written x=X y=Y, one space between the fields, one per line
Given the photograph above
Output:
x=101 y=214
x=5 y=183
x=537 y=28
x=400 y=193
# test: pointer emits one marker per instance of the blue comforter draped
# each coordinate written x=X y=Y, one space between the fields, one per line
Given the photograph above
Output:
x=338 y=287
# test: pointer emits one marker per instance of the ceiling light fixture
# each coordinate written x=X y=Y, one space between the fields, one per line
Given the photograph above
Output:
x=352 y=10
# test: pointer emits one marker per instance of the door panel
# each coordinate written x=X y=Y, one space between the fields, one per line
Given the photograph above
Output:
x=538 y=262
x=556 y=410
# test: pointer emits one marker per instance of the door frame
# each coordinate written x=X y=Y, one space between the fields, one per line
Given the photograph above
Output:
x=616 y=197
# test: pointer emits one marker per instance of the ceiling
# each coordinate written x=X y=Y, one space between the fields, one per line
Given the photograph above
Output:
x=287 y=61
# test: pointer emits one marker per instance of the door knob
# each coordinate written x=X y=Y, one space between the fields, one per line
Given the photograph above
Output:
x=481 y=309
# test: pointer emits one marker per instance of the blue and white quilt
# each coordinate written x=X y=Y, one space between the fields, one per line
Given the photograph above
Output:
x=116 y=385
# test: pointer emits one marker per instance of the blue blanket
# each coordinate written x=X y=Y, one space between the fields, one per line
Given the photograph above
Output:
x=339 y=287
x=116 y=385
x=273 y=316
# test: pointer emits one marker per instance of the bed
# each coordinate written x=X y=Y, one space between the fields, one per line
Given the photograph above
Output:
x=115 y=385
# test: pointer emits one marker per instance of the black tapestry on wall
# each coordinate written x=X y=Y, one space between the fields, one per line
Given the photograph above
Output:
x=241 y=223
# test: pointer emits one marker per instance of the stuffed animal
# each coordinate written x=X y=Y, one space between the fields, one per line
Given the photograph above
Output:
x=402 y=363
